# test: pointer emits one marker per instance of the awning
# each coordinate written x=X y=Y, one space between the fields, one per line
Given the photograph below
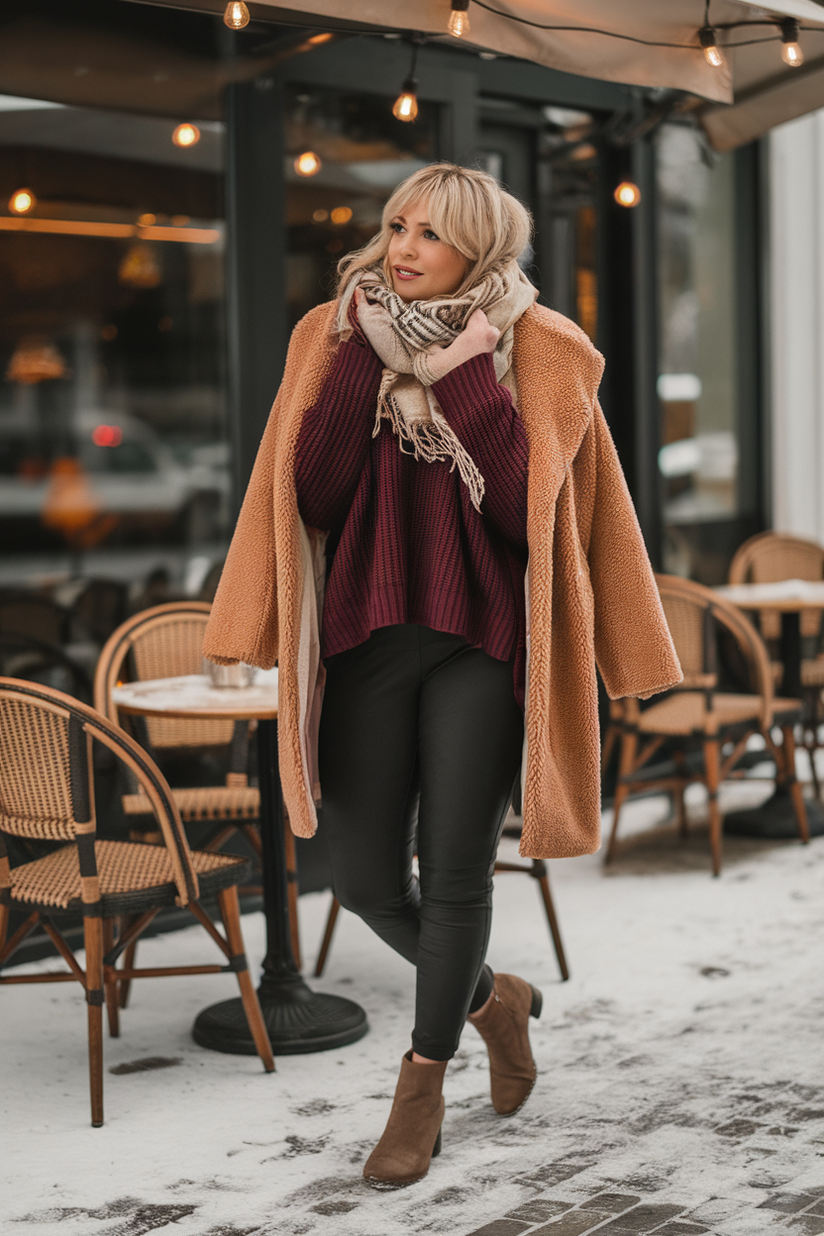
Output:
x=651 y=43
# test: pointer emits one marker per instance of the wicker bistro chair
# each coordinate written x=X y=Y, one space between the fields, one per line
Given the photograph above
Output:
x=165 y=642
x=47 y=793
x=697 y=715
x=766 y=559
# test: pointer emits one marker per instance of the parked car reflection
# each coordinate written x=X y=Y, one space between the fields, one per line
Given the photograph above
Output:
x=108 y=480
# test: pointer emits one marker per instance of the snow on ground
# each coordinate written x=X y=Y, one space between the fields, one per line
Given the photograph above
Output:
x=681 y=1073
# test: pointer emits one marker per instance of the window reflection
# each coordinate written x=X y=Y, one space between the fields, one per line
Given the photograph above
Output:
x=114 y=460
x=698 y=460
x=360 y=154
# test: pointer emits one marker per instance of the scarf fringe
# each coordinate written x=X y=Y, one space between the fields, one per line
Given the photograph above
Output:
x=431 y=441
x=403 y=334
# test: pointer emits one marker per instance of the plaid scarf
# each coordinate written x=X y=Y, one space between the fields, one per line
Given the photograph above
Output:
x=403 y=333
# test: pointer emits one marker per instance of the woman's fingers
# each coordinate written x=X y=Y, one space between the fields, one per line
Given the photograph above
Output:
x=483 y=335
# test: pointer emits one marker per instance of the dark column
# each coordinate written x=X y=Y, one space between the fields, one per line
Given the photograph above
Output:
x=628 y=328
x=255 y=264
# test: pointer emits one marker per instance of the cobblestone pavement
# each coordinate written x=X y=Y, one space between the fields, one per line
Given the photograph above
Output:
x=680 y=1088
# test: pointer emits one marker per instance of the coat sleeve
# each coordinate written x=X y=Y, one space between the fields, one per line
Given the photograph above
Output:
x=243 y=625
x=633 y=645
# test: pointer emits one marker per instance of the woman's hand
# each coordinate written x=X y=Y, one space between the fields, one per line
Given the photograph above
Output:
x=477 y=337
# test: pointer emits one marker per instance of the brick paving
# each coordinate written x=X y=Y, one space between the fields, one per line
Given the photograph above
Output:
x=622 y=1214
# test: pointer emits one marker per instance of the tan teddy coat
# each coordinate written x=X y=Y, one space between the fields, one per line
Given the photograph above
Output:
x=591 y=594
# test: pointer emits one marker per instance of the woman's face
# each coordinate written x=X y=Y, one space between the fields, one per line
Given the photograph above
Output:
x=421 y=264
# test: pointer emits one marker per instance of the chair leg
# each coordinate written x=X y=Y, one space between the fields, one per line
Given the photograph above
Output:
x=334 y=910
x=540 y=873
x=712 y=773
x=93 y=939
x=129 y=964
x=812 y=744
x=110 y=986
x=678 y=796
x=629 y=744
x=292 y=889
x=227 y=901
x=610 y=739
x=791 y=782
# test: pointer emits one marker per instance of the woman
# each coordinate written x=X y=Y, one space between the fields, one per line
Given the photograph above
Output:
x=436 y=535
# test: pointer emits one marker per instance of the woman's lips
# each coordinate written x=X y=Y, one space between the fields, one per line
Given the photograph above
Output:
x=406 y=272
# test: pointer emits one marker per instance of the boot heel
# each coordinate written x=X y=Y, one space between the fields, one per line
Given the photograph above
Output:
x=537 y=1002
x=437 y=1147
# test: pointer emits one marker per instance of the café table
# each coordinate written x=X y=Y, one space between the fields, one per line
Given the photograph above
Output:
x=789 y=598
x=297 y=1018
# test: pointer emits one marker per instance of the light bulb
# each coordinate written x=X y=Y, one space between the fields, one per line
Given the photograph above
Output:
x=709 y=43
x=458 y=24
x=186 y=135
x=22 y=201
x=307 y=164
x=627 y=194
x=406 y=104
x=791 y=52
x=236 y=15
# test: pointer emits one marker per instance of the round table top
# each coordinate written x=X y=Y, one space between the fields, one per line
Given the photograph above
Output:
x=787 y=595
x=192 y=695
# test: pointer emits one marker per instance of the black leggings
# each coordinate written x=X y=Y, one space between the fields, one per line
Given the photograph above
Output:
x=420 y=729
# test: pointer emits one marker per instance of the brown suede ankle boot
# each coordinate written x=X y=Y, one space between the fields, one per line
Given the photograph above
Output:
x=503 y=1024
x=413 y=1132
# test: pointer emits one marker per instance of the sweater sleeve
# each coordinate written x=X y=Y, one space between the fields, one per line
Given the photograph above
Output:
x=335 y=435
x=484 y=417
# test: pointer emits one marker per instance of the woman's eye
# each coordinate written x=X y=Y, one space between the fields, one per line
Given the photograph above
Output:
x=429 y=235
x=396 y=227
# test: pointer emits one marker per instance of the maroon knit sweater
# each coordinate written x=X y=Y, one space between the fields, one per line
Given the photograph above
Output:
x=406 y=544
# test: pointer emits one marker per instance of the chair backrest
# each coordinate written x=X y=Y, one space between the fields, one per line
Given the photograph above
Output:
x=162 y=642
x=26 y=612
x=99 y=608
x=773 y=556
x=47 y=784
x=692 y=612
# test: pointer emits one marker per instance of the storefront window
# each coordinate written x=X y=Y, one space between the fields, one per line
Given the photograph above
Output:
x=566 y=215
x=345 y=155
x=551 y=166
x=699 y=457
x=114 y=460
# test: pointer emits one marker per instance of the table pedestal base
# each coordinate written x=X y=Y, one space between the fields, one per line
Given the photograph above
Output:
x=775 y=819
x=297 y=1018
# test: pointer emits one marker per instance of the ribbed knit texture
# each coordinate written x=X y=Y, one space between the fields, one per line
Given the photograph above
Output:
x=406 y=545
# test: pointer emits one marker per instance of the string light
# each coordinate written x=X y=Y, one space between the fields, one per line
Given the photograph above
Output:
x=236 y=15
x=458 y=24
x=707 y=35
x=139 y=268
x=712 y=52
x=627 y=194
x=308 y=164
x=22 y=201
x=186 y=135
x=406 y=105
x=791 y=52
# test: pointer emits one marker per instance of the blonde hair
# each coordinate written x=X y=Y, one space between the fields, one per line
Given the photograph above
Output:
x=468 y=210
